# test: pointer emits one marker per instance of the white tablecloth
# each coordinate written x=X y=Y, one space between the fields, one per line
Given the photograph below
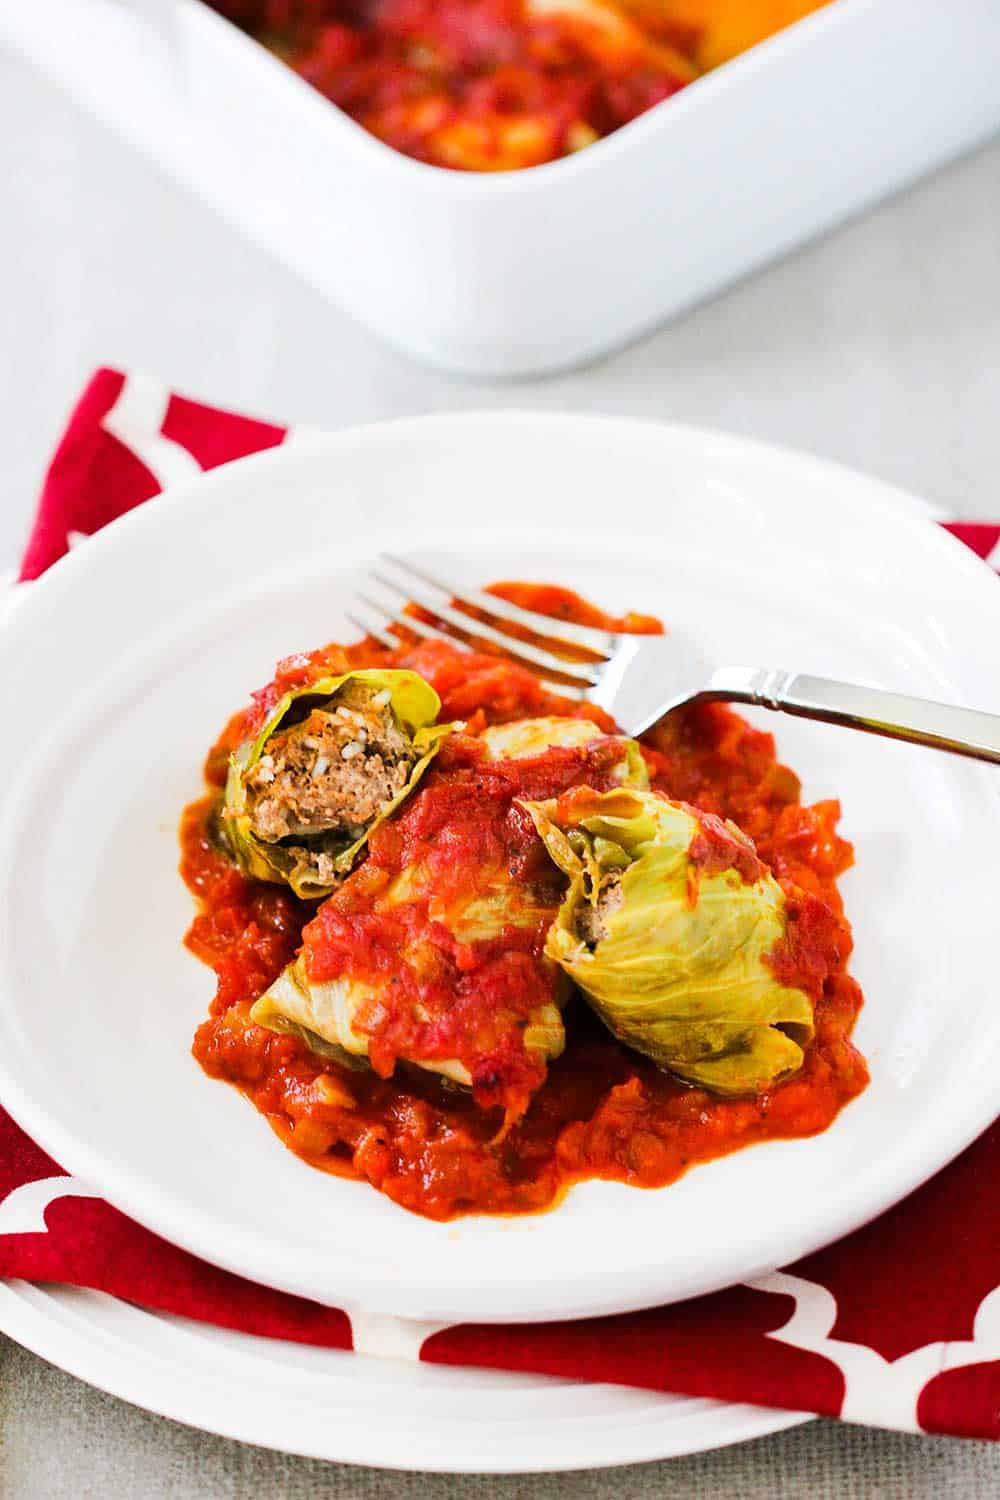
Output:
x=877 y=347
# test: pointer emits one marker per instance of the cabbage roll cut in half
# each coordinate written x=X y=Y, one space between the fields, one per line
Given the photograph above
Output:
x=330 y=762
x=681 y=938
x=432 y=953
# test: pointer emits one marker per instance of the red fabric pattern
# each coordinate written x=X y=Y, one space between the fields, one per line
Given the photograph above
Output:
x=217 y=437
x=92 y=479
x=88 y=1243
x=981 y=537
x=899 y=1324
x=963 y=1402
x=712 y=1346
x=936 y=1293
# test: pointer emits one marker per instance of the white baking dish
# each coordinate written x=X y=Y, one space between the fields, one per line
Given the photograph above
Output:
x=527 y=272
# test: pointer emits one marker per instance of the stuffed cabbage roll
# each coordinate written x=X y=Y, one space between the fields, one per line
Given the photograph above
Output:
x=527 y=737
x=431 y=954
x=330 y=762
x=677 y=934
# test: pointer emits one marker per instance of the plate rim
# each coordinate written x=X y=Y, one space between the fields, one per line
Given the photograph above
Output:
x=177 y=1399
x=78 y=1158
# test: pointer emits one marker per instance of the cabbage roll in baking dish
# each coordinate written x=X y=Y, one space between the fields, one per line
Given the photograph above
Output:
x=679 y=937
x=432 y=953
x=329 y=763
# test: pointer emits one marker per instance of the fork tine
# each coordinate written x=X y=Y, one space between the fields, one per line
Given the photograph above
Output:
x=376 y=610
x=376 y=631
x=409 y=623
x=580 y=673
x=566 y=632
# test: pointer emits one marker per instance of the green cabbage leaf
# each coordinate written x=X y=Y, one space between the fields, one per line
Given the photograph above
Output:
x=669 y=943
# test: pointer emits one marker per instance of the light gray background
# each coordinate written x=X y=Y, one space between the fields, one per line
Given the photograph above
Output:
x=879 y=347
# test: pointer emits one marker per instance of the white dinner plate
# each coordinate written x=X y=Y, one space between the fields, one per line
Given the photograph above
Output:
x=352 y=1408
x=120 y=669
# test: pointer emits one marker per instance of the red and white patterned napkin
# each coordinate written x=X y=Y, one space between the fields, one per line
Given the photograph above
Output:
x=897 y=1326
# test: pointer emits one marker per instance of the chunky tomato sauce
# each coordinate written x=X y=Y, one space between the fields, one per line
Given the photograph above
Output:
x=443 y=994
x=490 y=85
x=508 y=1145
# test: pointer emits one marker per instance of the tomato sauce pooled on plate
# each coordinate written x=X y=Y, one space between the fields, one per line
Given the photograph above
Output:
x=603 y=1111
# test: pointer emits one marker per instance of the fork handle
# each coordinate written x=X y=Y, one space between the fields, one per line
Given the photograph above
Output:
x=943 y=726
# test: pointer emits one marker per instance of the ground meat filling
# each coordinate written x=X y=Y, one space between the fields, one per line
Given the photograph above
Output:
x=592 y=920
x=328 y=778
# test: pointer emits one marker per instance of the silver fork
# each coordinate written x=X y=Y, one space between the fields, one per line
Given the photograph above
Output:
x=639 y=679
